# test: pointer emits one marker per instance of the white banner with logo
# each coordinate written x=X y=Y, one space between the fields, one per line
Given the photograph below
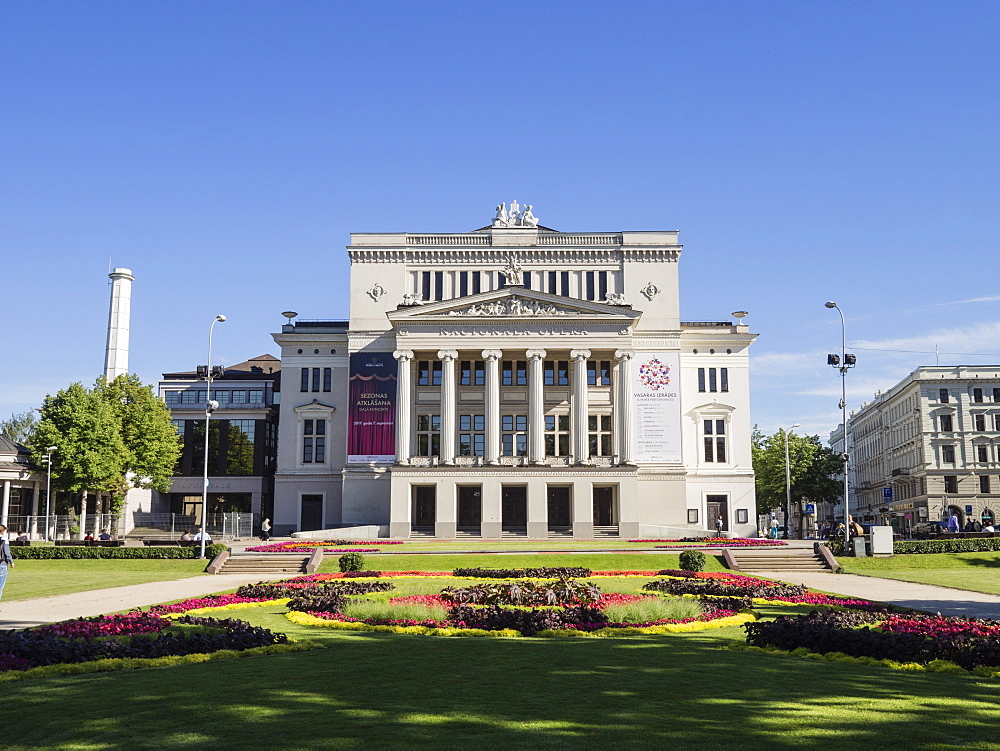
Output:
x=656 y=407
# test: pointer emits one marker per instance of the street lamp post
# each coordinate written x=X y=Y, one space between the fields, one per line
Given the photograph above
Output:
x=788 y=484
x=209 y=408
x=843 y=362
x=48 y=488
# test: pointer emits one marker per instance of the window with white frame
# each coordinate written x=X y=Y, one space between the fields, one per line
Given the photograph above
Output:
x=945 y=423
x=980 y=421
x=514 y=435
x=982 y=452
x=428 y=435
x=557 y=435
x=472 y=435
x=714 y=439
x=948 y=454
x=599 y=433
x=996 y=421
x=313 y=441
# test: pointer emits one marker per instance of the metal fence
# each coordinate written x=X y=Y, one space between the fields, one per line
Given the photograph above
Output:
x=225 y=526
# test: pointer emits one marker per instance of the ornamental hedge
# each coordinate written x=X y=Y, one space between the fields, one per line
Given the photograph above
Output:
x=547 y=572
x=51 y=553
x=964 y=545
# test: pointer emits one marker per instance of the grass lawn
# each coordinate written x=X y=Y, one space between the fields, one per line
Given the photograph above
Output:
x=380 y=691
x=977 y=572
x=595 y=561
x=41 y=578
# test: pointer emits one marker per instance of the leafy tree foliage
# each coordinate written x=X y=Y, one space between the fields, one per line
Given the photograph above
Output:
x=110 y=438
x=19 y=427
x=813 y=469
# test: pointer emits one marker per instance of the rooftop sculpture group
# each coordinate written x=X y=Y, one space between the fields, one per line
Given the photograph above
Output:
x=514 y=216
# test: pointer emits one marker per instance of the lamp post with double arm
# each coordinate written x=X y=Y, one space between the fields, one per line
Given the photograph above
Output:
x=843 y=362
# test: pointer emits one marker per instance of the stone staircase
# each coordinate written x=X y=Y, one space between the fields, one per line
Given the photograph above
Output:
x=778 y=560
x=274 y=565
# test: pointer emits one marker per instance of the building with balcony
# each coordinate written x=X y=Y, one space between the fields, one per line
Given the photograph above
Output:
x=515 y=381
x=242 y=438
x=929 y=447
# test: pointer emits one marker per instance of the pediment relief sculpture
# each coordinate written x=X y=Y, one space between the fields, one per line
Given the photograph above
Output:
x=512 y=306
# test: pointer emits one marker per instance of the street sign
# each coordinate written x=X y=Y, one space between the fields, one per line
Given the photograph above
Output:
x=887 y=492
x=810 y=508
x=968 y=509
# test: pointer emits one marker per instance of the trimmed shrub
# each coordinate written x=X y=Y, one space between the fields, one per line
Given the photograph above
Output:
x=710 y=587
x=528 y=622
x=964 y=545
x=546 y=572
x=562 y=592
x=276 y=591
x=351 y=562
x=164 y=553
x=692 y=560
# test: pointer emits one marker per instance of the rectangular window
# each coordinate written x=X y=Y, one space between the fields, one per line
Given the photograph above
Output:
x=514 y=435
x=527 y=279
x=557 y=435
x=977 y=395
x=984 y=483
x=472 y=373
x=982 y=453
x=304 y=386
x=327 y=379
x=723 y=379
x=477 y=282
x=712 y=382
x=514 y=372
x=742 y=516
x=564 y=283
x=237 y=397
x=425 y=286
x=945 y=423
x=172 y=397
x=463 y=283
x=465 y=373
x=948 y=454
x=552 y=283
x=428 y=435
x=313 y=441
x=178 y=426
x=257 y=396
x=315 y=379
x=980 y=421
x=996 y=395
x=692 y=516
x=701 y=379
x=556 y=373
x=472 y=435
x=598 y=372
x=428 y=372
x=438 y=285
x=714 y=437
x=950 y=483
x=602 y=285
x=943 y=396
x=599 y=433
x=591 y=287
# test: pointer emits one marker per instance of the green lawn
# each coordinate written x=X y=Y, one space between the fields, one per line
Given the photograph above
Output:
x=41 y=578
x=594 y=561
x=379 y=691
x=977 y=572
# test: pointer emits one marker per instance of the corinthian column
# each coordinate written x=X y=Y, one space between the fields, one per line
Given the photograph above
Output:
x=536 y=407
x=581 y=448
x=623 y=405
x=492 y=359
x=448 y=357
x=403 y=396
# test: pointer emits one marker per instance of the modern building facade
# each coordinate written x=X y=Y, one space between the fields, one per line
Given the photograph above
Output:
x=515 y=381
x=929 y=447
x=243 y=435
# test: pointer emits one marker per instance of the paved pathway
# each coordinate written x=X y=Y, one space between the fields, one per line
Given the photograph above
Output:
x=23 y=613
x=933 y=599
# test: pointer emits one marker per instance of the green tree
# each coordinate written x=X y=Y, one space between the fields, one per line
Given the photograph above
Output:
x=813 y=469
x=19 y=427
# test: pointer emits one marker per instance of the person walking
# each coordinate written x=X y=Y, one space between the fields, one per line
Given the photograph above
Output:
x=6 y=559
x=265 y=529
x=719 y=524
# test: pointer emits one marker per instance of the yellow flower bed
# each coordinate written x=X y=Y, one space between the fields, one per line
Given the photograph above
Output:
x=232 y=606
x=305 y=619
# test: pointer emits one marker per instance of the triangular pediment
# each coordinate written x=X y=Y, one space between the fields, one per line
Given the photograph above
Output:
x=513 y=302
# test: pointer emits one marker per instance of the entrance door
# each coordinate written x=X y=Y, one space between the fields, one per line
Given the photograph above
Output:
x=604 y=507
x=311 y=512
x=470 y=507
x=716 y=506
x=424 y=505
x=514 y=507
x=559 y=507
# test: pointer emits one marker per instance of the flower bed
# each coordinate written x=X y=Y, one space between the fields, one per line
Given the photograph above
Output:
x=719 y=542
x=329 y=546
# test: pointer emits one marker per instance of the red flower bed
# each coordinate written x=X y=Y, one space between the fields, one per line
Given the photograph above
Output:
x=720 y=542
x=329 y=546
x=127 y=624
x=940 y=626
x=202 y=602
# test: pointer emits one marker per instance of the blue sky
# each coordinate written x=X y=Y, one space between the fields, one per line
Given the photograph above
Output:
x=225 y=150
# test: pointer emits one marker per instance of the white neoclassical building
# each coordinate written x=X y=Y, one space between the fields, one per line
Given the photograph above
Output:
x=515 y=381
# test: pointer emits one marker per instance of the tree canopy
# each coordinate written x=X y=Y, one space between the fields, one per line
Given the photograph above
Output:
x=813 y=469
x=19 y=427
x=110 y=438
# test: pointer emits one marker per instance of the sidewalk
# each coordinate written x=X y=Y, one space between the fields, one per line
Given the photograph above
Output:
x=24 y=613
x=943 y=600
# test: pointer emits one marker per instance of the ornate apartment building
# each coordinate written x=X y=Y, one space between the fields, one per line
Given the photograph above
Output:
x=515 y=381
x=929 y=446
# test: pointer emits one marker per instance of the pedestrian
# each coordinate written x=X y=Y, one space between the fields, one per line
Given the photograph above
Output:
x=977 y=526
x=719 y=524
x=6 y=559
x=265 y=529
x=774 y=529
x=954 y=526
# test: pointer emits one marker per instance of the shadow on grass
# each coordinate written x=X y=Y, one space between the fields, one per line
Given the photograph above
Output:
x=384 y=691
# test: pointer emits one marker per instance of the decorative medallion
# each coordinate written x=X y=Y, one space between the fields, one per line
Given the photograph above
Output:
x=650 y=290
x=377 y=292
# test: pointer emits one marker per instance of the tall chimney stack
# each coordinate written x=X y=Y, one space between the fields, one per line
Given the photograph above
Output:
x=116 y=353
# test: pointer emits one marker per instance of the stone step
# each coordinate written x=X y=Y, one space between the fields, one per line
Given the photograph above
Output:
x=277 y=564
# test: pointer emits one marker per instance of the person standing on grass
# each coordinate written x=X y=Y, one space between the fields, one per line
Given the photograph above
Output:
x=6 y=559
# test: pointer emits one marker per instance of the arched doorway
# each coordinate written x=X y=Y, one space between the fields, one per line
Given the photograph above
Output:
x=987 y=517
